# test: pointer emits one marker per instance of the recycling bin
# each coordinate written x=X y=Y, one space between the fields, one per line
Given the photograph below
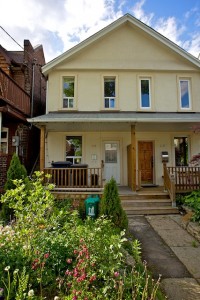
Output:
x=91 y=206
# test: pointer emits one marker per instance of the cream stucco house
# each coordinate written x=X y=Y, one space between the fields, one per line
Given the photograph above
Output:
x=122 y=101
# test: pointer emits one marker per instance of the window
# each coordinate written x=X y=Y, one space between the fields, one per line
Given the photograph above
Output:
x=109 y=92
x=68 y=92
x=74 y=149
x=181 y=151
x=184 y=93
x=145 y=93
x=110 y=153
x=4 y=140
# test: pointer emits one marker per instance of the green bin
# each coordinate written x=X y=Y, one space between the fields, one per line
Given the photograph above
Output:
x=91 y=206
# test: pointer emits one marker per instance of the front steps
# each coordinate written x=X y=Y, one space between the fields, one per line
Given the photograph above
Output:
x=147 y=203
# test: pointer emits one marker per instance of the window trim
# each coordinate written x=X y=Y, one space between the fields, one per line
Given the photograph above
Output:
x=140 y=83
x=68 y=98
x=115 y=77
x=180 y=107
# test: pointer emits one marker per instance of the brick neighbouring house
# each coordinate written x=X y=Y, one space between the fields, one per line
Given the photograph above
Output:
x=22 y=94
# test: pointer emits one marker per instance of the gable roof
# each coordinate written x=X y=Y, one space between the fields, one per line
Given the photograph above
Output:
x=127 y=18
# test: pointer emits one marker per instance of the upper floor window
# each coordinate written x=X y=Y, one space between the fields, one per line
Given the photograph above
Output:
x=185 y=101
x=68 y=92
x=109 y=92
x=145 y=93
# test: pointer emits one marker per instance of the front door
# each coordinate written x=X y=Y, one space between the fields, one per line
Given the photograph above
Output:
x=145 y=161
x=111 y=161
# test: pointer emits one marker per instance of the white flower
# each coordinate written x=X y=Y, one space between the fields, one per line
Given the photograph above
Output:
x=56 y=298
x=31 y=293
x=7 y=268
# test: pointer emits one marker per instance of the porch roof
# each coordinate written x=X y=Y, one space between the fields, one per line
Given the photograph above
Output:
x=130 y=117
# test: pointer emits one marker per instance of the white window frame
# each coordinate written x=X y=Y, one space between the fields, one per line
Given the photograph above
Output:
x=188 y=80
x=69 y=99
x=150 y=93
x=110 y=99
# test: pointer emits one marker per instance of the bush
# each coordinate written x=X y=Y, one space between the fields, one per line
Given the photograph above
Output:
x=16 y=171
x=110 y=205
x=193 y=201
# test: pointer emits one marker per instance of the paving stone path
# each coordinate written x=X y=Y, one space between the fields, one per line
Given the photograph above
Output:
x=170 y=251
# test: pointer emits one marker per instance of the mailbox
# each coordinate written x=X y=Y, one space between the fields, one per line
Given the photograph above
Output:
x=165 y=156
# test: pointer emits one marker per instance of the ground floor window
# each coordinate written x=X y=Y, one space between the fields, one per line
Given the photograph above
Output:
x=74 y=149
x=4 y=140
x=181 y=151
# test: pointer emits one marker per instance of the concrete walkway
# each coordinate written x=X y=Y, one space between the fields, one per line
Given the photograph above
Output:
x=170 y=251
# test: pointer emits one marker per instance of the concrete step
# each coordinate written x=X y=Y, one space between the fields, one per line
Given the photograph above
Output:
x=158 y=195
x=145 y=203
x=151 y=211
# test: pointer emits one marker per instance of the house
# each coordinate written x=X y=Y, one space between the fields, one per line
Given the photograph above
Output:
x=121 y=103
x=22 y=95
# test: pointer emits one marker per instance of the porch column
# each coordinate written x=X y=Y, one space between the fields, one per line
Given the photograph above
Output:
x=42 y=148
x=133 y=158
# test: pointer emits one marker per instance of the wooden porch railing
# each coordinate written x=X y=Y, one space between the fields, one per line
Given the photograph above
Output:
x=169 y=184
x=13 y=94
x=180 y=179
x=186 y=178
x=71 y=178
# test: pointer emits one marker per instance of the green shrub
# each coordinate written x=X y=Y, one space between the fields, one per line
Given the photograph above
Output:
x=193 y=201
x=110 y=205
x=15 y=171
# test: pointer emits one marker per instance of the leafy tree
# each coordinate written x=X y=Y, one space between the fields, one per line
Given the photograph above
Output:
x=110 y=205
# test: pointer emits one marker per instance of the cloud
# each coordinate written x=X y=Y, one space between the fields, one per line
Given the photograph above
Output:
x=140 y=14
x=55 y=23
x=61 y=24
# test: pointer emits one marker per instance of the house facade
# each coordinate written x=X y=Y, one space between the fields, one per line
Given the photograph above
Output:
x=124 y=100
x=22 y=95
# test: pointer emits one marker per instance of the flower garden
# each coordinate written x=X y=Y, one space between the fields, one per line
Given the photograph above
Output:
x=48 y=251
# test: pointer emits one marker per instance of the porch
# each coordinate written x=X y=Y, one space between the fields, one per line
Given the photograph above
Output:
x=79 y=183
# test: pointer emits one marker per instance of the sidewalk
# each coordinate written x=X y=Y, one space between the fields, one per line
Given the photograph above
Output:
x=171 y=251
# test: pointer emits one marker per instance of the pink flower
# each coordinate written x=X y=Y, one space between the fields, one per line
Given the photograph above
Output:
x=46 y=255
x=116 y=274
x=69 y=260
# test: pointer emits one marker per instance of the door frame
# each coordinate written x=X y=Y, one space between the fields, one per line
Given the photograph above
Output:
x=153 y=152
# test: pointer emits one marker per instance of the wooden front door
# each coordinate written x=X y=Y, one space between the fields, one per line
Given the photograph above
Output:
x=145 y=161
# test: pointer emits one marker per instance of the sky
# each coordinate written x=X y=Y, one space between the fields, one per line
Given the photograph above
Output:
x=58 y=25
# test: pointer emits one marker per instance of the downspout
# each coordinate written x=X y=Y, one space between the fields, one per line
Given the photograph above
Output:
x=33 y=85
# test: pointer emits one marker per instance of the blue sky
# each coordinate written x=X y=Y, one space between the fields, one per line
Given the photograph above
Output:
x=60 y=24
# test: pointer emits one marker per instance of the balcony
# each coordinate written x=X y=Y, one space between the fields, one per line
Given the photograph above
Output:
x=13 y=94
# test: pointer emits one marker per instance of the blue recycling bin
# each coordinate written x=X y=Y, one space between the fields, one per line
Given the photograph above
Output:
x=91 y=206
